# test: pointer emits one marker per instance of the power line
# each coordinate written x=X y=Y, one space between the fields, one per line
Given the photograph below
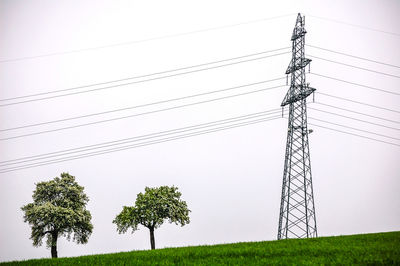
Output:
x=139 y=106
x=170 y=139
x=144 y=113
x=353 y=83
x=353 y=101
x=356 y=119
x=144 y=40
x=354 y=56
x=353 y=128
x=348 y=110
x=145 y=75
x=139 y=138
x=355 y=25
x=353 y=134
x=5 y=170
x=134 y=82
x=142 y=144
x=361 y=68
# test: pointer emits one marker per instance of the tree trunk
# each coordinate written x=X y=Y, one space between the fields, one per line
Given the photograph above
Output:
x=152 y=241
x=54 y=236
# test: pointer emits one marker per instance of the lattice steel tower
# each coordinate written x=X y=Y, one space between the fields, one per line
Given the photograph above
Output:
x=297 y=212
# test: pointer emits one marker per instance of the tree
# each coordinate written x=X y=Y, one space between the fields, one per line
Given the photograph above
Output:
x=58 y=209
x=151 y=209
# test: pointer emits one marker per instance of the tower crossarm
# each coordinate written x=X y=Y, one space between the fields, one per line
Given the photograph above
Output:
x=303 y=62
x=298 y=32
x=303 y=92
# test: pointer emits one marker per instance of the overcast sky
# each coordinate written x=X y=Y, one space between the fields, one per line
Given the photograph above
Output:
x=230 y=179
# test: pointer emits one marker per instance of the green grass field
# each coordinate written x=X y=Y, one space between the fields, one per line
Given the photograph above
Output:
x=379 y=248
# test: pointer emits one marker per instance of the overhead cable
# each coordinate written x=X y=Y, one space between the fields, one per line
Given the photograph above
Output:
x=358 y=102
x=356 y=119
x=353 y=134
x=357 y=67
x=140 y=138
x=354 y=56
x=139 y=106
x=354 y=25
x=144 y=40
x=140 y=114
x=360 y=113
x=4 y=170
x=353 y=128
x=132 y=82
x=353 y=83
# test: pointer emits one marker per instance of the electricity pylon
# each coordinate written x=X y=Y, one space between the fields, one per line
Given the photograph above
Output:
x=297 y=212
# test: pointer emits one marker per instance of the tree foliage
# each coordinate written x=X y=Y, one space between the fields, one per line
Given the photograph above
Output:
x=152 y=208
x=58 y=209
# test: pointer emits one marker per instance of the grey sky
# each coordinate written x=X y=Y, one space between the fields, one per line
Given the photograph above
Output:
x=231 y=179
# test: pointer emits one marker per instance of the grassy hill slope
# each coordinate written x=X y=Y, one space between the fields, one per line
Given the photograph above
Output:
x=379 y=248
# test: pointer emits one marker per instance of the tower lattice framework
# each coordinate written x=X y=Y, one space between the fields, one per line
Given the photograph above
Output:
x=297 y=211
